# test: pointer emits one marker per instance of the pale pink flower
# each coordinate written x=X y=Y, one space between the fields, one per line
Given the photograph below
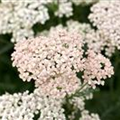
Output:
x=97 y=67
x=106 y=17
x=53 y=62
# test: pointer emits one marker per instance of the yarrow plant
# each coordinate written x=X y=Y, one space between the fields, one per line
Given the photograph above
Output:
x=53 y=62
x=65 y=62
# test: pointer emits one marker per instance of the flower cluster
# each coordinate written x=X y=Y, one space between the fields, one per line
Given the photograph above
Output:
x=25 y=106
x=64 y=8
x=85 y=116
x=94 y=39
x=90 y=36
x=18 y=17
x=53 y=62
x=65 y=62
x=106 y=17
x=79 y=104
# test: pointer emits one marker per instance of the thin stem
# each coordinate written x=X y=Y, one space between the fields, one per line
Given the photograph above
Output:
x=78 y=91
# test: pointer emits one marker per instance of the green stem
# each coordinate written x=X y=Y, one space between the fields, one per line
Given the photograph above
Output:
x=78 y=91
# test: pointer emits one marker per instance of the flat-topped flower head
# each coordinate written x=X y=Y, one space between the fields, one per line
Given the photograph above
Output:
x=106 y=17
x=19 y=16
x=64 y=8
x=53 y=61
x=97 y=68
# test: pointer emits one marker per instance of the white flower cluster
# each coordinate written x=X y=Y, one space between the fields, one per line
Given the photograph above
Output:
x=79 y=104
x=100 y=70
x=54 y=60
x=19 y=16
x=95 y=39
x=85 y=116
x=92 y=38
x=106 y=17
x=64 y=8
x=25 y=106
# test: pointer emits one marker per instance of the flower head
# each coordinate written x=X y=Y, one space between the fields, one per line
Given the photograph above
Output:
x=53 y=61
x=106 y=17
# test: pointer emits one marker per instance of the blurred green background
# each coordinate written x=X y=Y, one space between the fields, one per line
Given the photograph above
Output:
x=106 y=101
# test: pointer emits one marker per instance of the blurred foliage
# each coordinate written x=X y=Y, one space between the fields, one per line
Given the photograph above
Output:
x=106 y=101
